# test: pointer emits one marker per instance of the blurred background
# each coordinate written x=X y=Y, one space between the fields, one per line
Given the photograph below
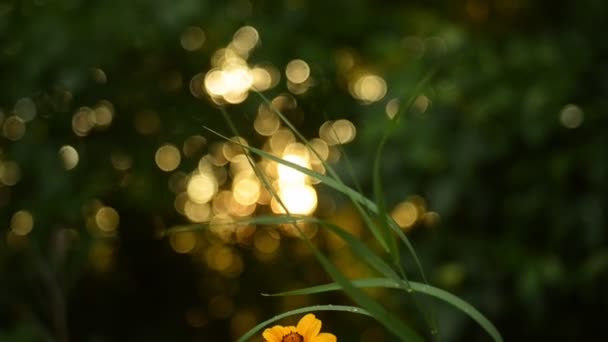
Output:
x=497 y=172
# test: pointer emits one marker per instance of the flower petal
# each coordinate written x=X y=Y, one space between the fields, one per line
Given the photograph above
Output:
x=325 y=337
x=274 y=334
x=309 y=327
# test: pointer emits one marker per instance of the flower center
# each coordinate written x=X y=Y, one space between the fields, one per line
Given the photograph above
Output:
x=293 y=337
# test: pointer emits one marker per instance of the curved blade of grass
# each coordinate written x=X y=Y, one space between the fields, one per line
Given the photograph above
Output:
x=416 y=287
x=314 y=308
x=388 y=320
x=379 y=195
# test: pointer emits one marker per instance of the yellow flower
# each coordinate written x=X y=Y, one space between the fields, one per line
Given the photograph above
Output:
x=307 y=331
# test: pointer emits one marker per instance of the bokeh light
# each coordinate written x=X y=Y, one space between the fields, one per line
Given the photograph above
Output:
x=13 y=128
x=167 y=157
x=183 y=242
x=107 y=219
x=368 y=88
x=571 y=116
x=22 y=222
x=297 y=71
x=69 y=157
x=10 y=172
x=192 y=38
x=202 y=187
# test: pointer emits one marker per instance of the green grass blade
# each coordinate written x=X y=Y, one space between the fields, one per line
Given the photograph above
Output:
x=379 y=197
x=388 y=320
x=314 y=308
x=435 y=292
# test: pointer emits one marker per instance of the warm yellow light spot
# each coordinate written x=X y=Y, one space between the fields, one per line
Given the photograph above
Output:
x=405 y=214
x=571 y=116
x=392 y=108
x=146 y=122
x=265 y=196
x=183 y=242
x=262 y=79
x=202 y=187
x=284 y=103
x=13 y=128
x=193 y=145
x=69 y=157
x=104 y=114
x=289 y=175
x=231 y=83
x=221 y=202
x=318 y=151
x=241 y=166
x=236 y=80
x=107 y=219
x=83 y=121
x=245 y=38
x=10 y=173
x=197 y=212
x=266 y=122
x=180 y=202
x=22 y=222
x=299 y=199
x=369 y=88
x=298 y=149
x=216 y=155
x=297 y=71
x=337 y=132
x=246 y=190
x=192 y=38
x=298 y=88
x=236 y=209
x=234 y=147
x=197 y=85
x=167 y=157
x=219 y=257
